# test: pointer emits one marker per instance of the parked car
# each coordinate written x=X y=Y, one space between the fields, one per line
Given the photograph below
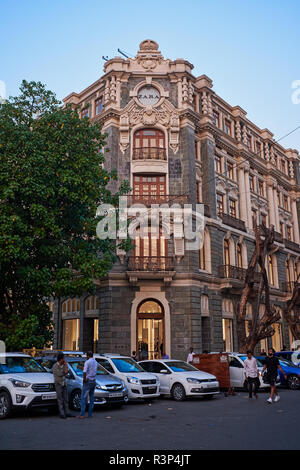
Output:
x=24 y=384
x=292 y=372
x=110 y=390
x=141 y=384
x=237 y=374
x=292 y=356
x=180 y=379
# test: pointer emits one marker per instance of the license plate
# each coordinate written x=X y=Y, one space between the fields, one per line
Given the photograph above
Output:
x=151 y=388
x=115 y=395
x=48 y=397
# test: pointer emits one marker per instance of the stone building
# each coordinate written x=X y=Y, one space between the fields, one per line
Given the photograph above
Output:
x=174 y=139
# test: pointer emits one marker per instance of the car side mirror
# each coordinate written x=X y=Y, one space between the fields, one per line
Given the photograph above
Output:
x=69 y=375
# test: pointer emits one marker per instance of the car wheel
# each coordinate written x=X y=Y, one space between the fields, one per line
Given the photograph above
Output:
x=178 y=392
x=293 y=382
x=5 y=405
x=75 y=400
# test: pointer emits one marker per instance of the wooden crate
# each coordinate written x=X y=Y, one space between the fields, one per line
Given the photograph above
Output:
x=216 y=364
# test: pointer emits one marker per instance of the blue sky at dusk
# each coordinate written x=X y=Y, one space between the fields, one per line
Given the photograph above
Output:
x=250 y=49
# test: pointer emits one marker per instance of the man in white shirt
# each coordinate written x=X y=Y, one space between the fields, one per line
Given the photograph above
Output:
x=190 y=356
x=251 y=374
x=89 y=384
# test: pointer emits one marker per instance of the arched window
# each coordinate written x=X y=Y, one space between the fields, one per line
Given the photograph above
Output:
x=204 y=252
x=271 y=270
x=149 y=144
x=227 y=324
x=150 y=330
x=226 y=253
x=92 y=303
x=239 y=256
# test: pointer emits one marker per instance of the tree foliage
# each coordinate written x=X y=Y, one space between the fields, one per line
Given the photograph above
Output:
x=51 y=182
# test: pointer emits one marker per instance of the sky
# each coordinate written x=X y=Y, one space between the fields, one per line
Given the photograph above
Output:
x=249 y=48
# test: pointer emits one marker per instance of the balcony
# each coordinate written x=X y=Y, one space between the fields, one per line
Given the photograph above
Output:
x=288 y=286
x=278 y=237
x=235 y=272
x=148 y=200
x=150 y=268
x=149 y=153
x=232 y=221
x=291 y=245
x=151 y=263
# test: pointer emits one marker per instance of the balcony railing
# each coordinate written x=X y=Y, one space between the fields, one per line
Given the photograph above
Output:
x=278 y=237
x=149 y=153
x=150 y=263
x=147 y=200
x=291 y=245
x=232 y=221
x=288 y=286
x=235 y=272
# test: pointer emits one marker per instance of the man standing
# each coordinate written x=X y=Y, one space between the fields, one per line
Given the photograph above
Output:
x=60 y=370
x=271 y=363
x=251 y=374
x=89 y=384
x=190 y=356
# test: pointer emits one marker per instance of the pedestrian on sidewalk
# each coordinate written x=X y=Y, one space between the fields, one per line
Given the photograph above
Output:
x=190 y=357
x=89 y=384
x=271 y=363
x=60 y=370
x=251 y=374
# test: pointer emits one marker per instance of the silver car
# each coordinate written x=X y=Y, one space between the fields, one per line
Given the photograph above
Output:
x=110 y=390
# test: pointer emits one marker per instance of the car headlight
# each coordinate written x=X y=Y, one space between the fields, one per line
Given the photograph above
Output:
x=19 y=383
x=133 y=380
x=193 y=381
x=101 y=387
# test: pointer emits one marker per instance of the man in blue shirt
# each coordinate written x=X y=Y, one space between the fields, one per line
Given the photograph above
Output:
x=89 y=384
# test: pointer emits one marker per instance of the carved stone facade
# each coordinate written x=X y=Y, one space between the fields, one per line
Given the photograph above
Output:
x=202 y=150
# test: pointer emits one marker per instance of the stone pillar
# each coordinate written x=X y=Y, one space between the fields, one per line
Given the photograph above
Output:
x=248 y=199
x=277 y=226
x=81 y=324
x=208 y=168
x=243 y=202
x=295 y=219
x=271 y=204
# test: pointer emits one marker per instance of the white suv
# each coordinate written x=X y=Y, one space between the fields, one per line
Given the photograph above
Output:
x=24 y=384
x=140 y=383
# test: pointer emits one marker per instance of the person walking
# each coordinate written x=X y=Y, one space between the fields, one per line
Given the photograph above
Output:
x=89 y=384
x=60 y=370
x=190 y=356
x=271 y=363
x=251 y=374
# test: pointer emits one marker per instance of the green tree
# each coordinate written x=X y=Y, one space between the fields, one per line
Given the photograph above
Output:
x=51 y=182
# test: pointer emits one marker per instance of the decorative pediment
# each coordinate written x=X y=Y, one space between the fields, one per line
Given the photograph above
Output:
x=149 y=56
x=164 y=115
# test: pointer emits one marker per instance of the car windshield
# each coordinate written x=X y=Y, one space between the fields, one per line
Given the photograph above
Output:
x=180 y=366
x=127 y=365
x=78 y=367
x=19 y=365
x=286 y=362
x=258 y=362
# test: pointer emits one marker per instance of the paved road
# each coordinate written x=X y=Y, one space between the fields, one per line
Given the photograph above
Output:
x=223 y=423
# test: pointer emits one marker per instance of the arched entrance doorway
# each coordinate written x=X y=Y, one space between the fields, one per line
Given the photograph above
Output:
x=150 y=329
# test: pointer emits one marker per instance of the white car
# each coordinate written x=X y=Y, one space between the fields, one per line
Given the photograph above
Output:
x=140 y=384
x=237 y=373
x=24 y=384
x=180 y=379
